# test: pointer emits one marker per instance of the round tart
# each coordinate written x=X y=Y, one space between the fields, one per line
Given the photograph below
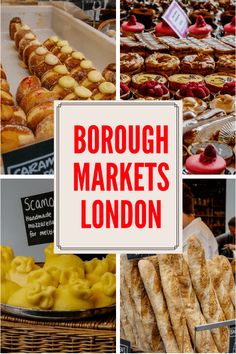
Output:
x=225 y=102
x=163 y=29
x=131 y=63
x=193 y=64
x=226 y=63
x=215 y=82
x=193 y=104
x=132 y=26
x=230 y=28
x=200 y=29
x=208 y=162
x=14 y=136
x=223 y=150
x=193 y=89
x=176 y=81
x=139 y=79
x=229 y=88
x=152 y=90
x=124 y=91
x=162 y=63
x=125 y=78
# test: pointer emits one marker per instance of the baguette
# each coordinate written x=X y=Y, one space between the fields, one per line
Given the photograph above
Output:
x=148 y=331
x=205 y=292
x=174 y=302
x=194 y=317
x=226 y=274
x=125 y=326
x=152 y=283
x=221 y=291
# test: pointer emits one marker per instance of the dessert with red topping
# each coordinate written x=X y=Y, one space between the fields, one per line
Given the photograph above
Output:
x=124 y=91
x=230 y=28
x=229 y=88
x=200 y=29
x=193 y=89
x=139 y=79
x=207 y=162
x=177 y=80
x=152 y=90
x=132 y=26
x=215 y=82
x=163 y=29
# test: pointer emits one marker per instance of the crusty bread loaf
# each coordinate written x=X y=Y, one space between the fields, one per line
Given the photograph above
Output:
x=221 y=291
x=205 y=292
x=152 y=283
x=147 y=326
x=174 y=302
x=226 y=274
x=126 y=331
x=194 y=317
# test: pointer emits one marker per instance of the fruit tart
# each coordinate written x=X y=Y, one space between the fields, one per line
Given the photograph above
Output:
x=74 y=60
x=177 y=80
x=131 y=63
x=139 y=79
x=81 y=71
x=198 y=63
x=105 y=91
x=229 y=88
x=162 y=63
x=52 y=76
x=215 y=82
x=152 y=90
x=225 y=102
x=193 y=89
x=125 y=78
x=124 y=91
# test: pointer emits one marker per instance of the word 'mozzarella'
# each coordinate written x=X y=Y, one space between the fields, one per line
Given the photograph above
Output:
x=137 y=176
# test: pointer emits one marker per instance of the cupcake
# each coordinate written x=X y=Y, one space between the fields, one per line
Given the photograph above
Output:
x=153 y=90
x=230 y=28
x=200 y=29
x=124 y=91
x=163 y=29
x=132 y=26
x=207 y=162
x=193 y=89
x=229 y=88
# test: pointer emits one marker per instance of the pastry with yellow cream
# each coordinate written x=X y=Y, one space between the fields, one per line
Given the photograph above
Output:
x=29 y=37
x=51 y=42
x=104 y=291
x=105 y=91
x=30 y=48
x=80 y=93
x=15 y=136
x=58 y=45
x=74 y=60
x=36 y=97
x=81 y=71
x=36 y=58
x=65 y=52
x=48 y=63
x=20 y=268
x=215 y=82
x=92 y=80
x=66 y=85
x=35 y=296
x=225 y=102
x=72 y=297
x=38 y=113
x=52 y=76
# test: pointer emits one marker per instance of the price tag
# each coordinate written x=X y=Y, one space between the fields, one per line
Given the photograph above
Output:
x=177 y=19
x=132 y=257
x=36 y=159
x=38 y=213
x=125 y=346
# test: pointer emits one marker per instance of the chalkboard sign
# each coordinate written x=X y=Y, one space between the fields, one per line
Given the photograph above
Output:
x=232 y=345
x=35 y=159
x=125 y=346
x=39 y=218
x=132 y=257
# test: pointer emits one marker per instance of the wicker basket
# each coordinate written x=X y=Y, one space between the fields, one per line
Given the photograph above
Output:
x=21 y=335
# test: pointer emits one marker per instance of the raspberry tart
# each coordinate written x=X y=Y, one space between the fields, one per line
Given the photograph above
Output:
x=208 y=162
x=215 y=82
x=162 y=63
x=125 y=78
x=193 y=89
x=177 y=80
x=193 y=64
x=124 y=91
x=152 y=90
x=229 y=88
x=139 y=79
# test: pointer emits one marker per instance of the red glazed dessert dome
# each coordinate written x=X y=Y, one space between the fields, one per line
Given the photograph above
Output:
x=230 y=28
x=163 y=29
x=200 y=29
x=132 y=25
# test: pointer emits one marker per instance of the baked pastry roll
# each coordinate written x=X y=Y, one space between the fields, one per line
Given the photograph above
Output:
x=12 y=115
x=65 y=52
x=52 y=76
x=3 y=74
x=48 y=63
x=44 y=277
x=45 y=128
x=226 y=63
x=58 y=45
x=30 y=48
x=14 y=26
x=29 y=37
x=104 y=291
x=92 y=80
x=20 y=268
x=36 y=97
x=94 y=269
x=66 y=85
x=225 y=102
x=38 y=113
x=6 y=98
x=27 y=85
x=36 y=58
x=4 y=85
x=8 y=288
x=162 y=63
x=81 y=71
x=198 y=63
x=72 y=297
x=50 y=42
x=34 y=296
x=80 y=93
x=131 y=63
x=109 y=73
x=105 y=91
x=20 y=34
x=74 y=60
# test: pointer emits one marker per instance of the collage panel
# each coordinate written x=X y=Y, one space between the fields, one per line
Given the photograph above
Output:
x=50 y=302
x=50 y=52
x=169 y=302
x=185 y=50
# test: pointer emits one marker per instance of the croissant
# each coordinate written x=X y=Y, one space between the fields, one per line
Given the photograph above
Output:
x=76 y=296
x=104 y=291
x=20 y=268
x=34 y=296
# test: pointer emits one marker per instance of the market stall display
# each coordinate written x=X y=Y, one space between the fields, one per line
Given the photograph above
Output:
x=178 y=292
x=156 y=64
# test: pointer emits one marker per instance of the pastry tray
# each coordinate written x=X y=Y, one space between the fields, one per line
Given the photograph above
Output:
x=46 y=21
x=56 y=315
